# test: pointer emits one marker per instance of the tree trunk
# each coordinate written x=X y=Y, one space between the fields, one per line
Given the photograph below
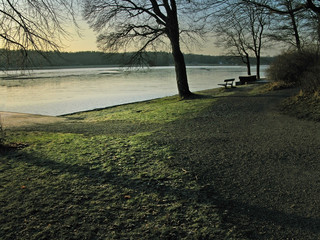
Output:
x=172 y=27
x=318 y=27
x=258 y=66
x=181 y=73
x=180 y=67
x=296 y=32
x=248 y=64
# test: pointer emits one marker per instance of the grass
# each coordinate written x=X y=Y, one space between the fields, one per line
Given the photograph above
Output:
x=157 y=111
x=303 y=105
x=102 y=176
x=271 y=86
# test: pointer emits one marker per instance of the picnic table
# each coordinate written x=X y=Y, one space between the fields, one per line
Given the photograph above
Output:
x=247 y=79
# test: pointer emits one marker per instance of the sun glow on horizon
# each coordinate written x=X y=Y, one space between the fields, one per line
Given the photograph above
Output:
x=84 y=39
x=80 y=40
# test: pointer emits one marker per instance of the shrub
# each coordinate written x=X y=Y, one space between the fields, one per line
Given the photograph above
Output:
x=310 y=80
x=297 y=69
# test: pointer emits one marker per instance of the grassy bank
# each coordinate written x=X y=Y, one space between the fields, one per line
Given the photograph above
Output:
x=104 y=175
x=304 y=106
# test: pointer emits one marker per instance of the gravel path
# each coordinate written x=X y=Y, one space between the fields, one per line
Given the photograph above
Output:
x=263 y=166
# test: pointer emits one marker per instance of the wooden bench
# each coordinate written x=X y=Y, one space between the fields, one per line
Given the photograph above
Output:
x=247 y=79
x=227 y=82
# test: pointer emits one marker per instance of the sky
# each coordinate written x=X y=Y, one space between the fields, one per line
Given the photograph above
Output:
x=87 y=42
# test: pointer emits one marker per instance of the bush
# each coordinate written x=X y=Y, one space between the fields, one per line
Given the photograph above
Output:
x=310 y=80
x=297 y=69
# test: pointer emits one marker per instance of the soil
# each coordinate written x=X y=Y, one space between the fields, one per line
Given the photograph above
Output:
x=261 y=165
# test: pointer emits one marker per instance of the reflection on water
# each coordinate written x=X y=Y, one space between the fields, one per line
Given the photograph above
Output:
x=62 y=91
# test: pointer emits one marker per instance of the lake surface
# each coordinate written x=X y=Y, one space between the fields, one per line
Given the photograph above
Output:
x=62 y=91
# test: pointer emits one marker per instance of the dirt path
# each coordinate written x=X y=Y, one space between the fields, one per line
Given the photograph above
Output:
x=11 y=119
x=263 y=166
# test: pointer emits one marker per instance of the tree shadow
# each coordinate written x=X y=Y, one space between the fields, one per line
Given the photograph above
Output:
x=92 y=177
x=256 y=220
x=257 y=215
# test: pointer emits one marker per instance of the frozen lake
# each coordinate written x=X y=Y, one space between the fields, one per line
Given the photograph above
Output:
x=61 y=91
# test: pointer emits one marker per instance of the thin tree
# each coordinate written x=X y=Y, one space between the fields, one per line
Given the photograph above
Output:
x=297 y=18
x=285 y=27
x=291 y=26
x=258 y=20
x=139 y=25
x=313 y=5
x=243 y=26
x=231 y=34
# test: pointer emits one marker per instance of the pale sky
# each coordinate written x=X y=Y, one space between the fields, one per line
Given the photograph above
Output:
x=87 y=42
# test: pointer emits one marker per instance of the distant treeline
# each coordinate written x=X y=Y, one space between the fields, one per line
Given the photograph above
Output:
x=65 y=59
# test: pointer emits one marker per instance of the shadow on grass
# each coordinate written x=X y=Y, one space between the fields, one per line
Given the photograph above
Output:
x=108 y=127
x=153 y=201
x=96 y=176
x=206 y=195
x=252 y=221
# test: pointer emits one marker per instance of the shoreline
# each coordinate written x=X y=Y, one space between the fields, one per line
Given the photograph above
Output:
x=73 y=91
x=16 y=119
x=11 y=119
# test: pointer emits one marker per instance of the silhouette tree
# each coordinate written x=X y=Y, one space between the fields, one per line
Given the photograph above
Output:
x=297 y=21
x=231 y=35
x=241 y=29
x=313 y=5
x=147 y=24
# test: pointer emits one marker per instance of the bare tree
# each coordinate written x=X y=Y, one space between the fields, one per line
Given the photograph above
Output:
x=314 y=5
x=231 y=35
x=139 y=25
x=258 y=20
x=296 y=21
x=242 y=27
x=286 y=27
x=33 y=25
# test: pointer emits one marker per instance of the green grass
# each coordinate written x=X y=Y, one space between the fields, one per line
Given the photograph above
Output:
x=154 y=111
x=268 y=87
x=101 y=184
